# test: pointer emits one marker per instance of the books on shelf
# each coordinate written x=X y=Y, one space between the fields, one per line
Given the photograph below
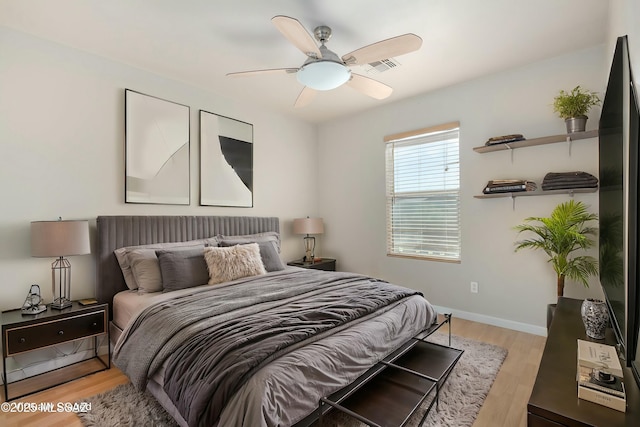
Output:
x=508 y=186
x=504 y=139
x=599 y=375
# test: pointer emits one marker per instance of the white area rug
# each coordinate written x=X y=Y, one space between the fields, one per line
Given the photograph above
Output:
x=460 y=399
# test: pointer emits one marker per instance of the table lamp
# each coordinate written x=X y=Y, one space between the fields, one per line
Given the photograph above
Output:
x=308 y=226
x=59 y=239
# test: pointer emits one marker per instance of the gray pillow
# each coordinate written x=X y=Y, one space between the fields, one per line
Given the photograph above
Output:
x=125 y=260
x=268 y=252
x=146 y=270
x=182 y=268
x=267 y=236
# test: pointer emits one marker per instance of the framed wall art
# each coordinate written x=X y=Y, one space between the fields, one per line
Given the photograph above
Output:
x=157 y=138
x=226 y=161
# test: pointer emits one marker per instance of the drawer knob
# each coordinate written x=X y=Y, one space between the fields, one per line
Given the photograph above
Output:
x=95 y=324
x=60 y=332
x=23 y=340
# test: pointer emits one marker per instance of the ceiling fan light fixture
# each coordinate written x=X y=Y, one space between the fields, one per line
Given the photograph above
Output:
x=323 y=75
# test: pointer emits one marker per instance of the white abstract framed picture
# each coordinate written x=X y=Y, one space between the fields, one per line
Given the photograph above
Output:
x=226 y=161
x=157 y=137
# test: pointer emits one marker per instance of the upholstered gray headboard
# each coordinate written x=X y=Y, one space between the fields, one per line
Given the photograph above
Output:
x=119 y=231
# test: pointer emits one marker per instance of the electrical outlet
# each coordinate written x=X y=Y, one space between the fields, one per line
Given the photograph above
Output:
x=474 y=287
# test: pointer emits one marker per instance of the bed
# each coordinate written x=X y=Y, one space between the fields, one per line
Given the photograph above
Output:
x=259 y=350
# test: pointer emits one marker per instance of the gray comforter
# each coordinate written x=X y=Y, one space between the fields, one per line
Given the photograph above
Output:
x=213 y=340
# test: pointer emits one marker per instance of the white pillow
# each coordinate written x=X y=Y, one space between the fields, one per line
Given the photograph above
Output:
x=233 y=262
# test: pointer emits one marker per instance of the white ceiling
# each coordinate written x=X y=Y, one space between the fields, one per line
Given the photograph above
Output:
x=199 y=41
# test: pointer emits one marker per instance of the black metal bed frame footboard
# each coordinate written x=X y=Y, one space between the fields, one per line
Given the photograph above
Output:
x=335 y=400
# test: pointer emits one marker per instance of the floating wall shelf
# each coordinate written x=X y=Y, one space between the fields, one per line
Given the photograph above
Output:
x=537 y=141
x=570 y=191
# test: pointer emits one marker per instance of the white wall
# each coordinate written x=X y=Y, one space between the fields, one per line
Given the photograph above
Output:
x=514 y=287
x=61 y=130
x=623 y=20
x=62 y=140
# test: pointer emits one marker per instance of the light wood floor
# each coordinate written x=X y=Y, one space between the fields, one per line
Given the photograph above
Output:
x=506 y=404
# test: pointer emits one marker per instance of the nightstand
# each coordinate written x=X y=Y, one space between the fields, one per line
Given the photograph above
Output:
x=326 y=264
x=25 y=333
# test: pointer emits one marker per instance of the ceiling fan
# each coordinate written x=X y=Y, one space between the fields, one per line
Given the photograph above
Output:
x=324 y=70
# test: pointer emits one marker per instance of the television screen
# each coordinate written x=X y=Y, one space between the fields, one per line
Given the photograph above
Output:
x=634 y=140
x=618 y=204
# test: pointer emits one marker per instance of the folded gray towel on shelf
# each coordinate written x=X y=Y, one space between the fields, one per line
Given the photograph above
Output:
x=568 y=180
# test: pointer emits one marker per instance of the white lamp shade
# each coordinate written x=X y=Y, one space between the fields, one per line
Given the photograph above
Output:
x=323 y=75
x=308 y=226
x=59 y=238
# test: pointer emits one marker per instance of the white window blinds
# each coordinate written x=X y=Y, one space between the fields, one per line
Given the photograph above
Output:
x=423 y=193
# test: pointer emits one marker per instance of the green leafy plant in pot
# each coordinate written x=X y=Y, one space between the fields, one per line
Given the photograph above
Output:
x=560 y=236
x=573 y=107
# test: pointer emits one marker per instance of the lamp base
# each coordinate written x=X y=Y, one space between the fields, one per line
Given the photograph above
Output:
x=61 y=279
x=60 y=303
x=309 y=248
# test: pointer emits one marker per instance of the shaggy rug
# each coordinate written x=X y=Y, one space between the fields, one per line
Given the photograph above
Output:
x=460 y=399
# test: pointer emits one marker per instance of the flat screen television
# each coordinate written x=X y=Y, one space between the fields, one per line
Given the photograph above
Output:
x=618 y=203
x=634 y=136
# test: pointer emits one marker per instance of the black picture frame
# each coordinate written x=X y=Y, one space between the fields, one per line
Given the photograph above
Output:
x=226 y=161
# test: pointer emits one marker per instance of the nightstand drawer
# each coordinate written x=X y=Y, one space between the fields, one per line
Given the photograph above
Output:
x=327 y=264
x=30 y=337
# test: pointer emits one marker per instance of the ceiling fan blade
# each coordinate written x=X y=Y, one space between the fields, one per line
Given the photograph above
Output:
x=384 y=49
x=370 y=87
x=268 y=71
x=295 y=32
x=305 y=97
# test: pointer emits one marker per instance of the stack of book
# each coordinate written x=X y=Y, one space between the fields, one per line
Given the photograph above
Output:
x=509 y=186
x=505 y=139
x=599 y=375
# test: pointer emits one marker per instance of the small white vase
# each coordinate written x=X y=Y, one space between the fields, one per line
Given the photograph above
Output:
x=595 y=316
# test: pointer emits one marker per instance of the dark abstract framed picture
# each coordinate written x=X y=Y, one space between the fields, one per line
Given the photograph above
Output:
x=157 y=138
x=226 y=161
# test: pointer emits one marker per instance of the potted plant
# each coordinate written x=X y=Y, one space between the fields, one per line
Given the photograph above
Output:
x=573 y=107
x=559 y=236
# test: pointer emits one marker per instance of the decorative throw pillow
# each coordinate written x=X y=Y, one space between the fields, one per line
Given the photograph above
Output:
x=122 y=255
x=233 y=262
x=268 y=253
x=267 y=236
x=182 y=268
x=146 y=270
x=125 y=257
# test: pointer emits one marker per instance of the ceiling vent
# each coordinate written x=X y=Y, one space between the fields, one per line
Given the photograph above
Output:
x=381 y=66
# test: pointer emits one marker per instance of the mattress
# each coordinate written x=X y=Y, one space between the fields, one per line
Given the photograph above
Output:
x=127 y=304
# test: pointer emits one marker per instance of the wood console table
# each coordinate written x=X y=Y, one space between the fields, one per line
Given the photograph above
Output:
x=554 y=399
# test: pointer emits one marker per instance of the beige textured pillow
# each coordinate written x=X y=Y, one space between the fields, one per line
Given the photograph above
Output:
x=233 y=262
x=145 y=270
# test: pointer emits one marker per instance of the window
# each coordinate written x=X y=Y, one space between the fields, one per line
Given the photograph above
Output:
x=423 y=193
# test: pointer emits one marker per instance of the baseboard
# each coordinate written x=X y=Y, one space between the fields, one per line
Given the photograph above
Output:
x=495 y=321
